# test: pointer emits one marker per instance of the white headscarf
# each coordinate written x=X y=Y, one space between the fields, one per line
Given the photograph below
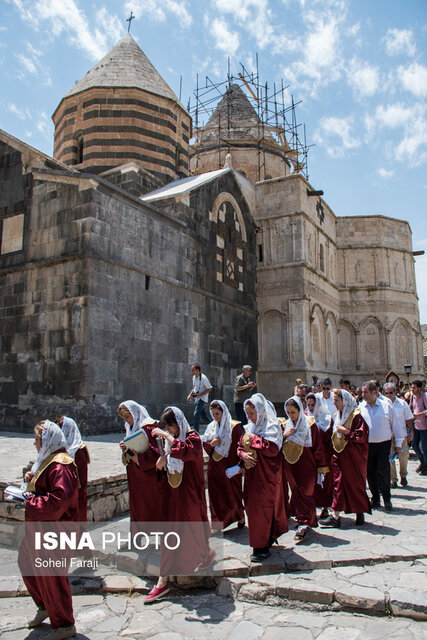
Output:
x=139 y=414
x=302 y=433
x=349 y=405
x=267 y=425
x=52 y=440
x=223 y=430
x=72 y=436
x=175 y=465
x=320 y=415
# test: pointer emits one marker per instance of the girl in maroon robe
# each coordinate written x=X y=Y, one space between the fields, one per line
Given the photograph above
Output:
x=260 y=450
x=80 y=454
x=305 y=463
x=220 y=441
x=53 y=482
x=350 y=460
x=145 y=486
x=184 y=500
x=316 y=415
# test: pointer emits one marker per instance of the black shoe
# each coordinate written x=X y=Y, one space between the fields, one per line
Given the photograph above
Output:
x=331 y=521
x=387 y=505
x=393 y=485
x=403 y=482
x=324 y=514
x=259 y=557
x=240 y=525
x=360 y=519
x=419 y=468
x=423 y=471
x=375 y=504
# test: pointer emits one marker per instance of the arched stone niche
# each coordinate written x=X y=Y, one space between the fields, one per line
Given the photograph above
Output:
x=346 y=346
x=372 y=344
x=272 y=338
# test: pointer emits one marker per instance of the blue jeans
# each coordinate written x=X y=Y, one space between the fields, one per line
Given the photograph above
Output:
x=200 y=412
x=419 y=445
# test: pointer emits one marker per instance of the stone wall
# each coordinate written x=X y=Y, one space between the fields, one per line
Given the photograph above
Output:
x=110 y=298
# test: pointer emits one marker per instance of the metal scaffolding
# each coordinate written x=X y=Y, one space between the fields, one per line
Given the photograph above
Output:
x=276 y=117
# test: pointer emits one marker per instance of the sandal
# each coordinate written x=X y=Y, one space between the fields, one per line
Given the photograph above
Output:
x=300 y=535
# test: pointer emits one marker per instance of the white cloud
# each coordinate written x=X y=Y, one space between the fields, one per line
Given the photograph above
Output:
x=414 y=79
x=225 y=40
x=27 y=63
x=412 y=121
x=399 y=41
x=333 y=128
x=394 y=115
x=21 y=113
x=364 y=78
x=256 y=18
x=157 y=10
x=63 y=17
x=385 y=173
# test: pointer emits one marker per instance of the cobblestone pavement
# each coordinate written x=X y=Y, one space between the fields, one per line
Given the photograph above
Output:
x=205 y=616
x=321 y=589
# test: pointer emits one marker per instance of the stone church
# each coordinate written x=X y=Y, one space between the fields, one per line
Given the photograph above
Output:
x=131 y=254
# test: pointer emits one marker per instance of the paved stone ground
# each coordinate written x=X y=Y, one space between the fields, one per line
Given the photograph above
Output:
x=303 y=591
x=104 y=451
x=205 y=616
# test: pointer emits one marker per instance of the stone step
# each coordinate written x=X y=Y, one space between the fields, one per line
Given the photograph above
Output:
x=392 y=588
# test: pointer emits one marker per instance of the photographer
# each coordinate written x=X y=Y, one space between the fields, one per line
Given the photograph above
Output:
x=200 y=393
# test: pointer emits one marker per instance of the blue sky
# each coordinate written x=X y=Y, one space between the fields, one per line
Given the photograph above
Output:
x=359 y=67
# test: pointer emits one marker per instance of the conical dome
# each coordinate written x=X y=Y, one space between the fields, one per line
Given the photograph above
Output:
x=122 y=112
x=126 y=65
x=235 y=128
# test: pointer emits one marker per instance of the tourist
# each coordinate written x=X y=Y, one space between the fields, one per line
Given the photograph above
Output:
x=383 y=425
x=260 y=450
x=349 y=462
x=326 y=397
x=353 y=390
x=145 y=486
x=317 y=415
x=405 y=419
x=345 y=384
x=418 y=406
x=243 y=389
x=305 y=464
x=200 y=394
x=220 y=441
x=54 y=482
x=302 y=391
x=184 y=500
x=77 y=449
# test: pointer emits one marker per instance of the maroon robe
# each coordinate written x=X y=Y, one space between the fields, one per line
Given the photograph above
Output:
x=56 y=500
x=225 y=495
x=82 y=461
x=263 y=493
x=145 y=484
x=323 y=495
x=302 y=478
x=186 y=504
x=349 y=470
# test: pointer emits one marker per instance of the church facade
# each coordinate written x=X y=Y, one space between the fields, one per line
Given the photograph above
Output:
x=130 y=255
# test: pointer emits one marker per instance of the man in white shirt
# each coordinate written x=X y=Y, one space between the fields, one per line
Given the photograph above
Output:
x=326 y=398
x=405 y=419
x=200 y=393
x=383 y=425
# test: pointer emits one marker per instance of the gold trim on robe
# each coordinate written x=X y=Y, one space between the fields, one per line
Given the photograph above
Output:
x=61 y=457
x=339 y=443
x=324 y=470
x=175 y=479
x=83 y=446
x=292 y=451
x=311 y=420
x=246 y=442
